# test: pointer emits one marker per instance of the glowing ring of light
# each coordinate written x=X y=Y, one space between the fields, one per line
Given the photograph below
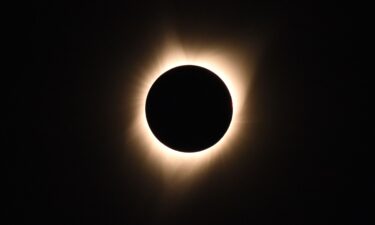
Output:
x=230 y=67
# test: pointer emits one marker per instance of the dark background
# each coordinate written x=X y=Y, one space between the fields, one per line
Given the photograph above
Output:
x=65 y=135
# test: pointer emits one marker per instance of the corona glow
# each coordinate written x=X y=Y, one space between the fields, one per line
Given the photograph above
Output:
x=232 y=65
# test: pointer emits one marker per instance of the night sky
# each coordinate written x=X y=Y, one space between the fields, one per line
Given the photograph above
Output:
x=305 y=161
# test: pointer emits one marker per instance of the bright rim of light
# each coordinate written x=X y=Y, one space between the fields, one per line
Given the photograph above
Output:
x=226 y=64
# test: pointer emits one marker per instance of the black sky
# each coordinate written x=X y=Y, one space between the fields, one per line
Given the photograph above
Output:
x=65 y=132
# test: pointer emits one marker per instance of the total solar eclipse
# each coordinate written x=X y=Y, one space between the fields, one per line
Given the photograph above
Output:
x=189 y=108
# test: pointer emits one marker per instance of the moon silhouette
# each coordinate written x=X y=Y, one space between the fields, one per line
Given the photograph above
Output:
x=189 y=108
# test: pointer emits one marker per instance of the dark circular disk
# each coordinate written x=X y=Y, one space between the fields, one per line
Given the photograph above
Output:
x=189 y=108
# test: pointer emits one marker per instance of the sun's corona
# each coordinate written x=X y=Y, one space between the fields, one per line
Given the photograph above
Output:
x=228 y=65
